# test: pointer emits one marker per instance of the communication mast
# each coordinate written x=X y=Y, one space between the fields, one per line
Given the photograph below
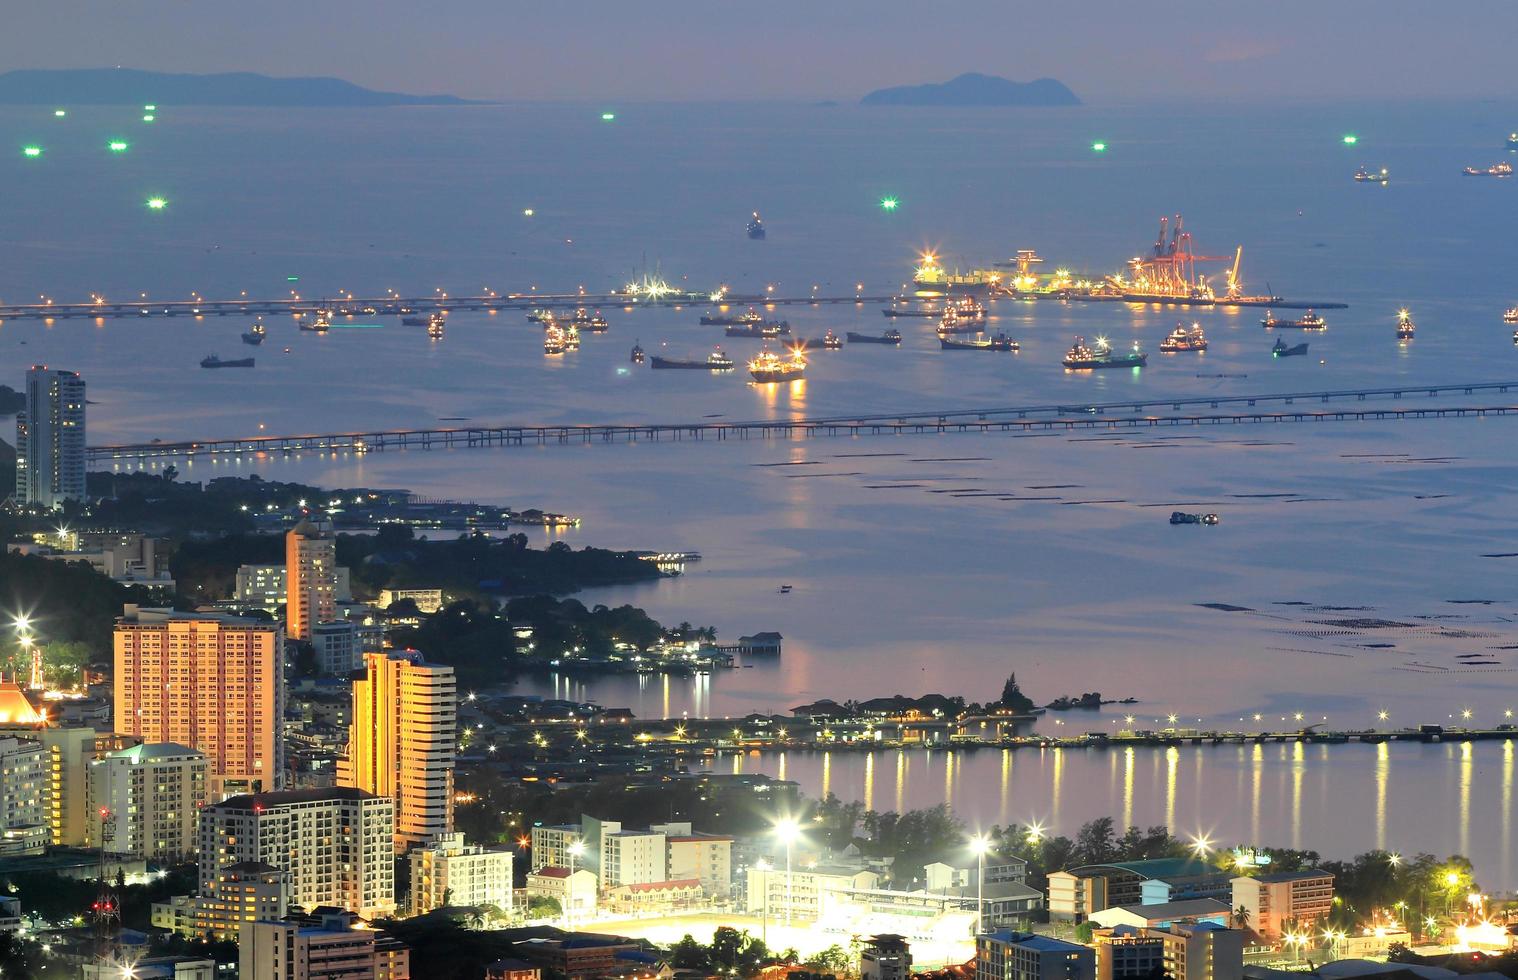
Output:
x=106 y=908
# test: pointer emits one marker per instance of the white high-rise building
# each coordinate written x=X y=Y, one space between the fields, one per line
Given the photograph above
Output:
x=23 y=815
x=446 y=871
x=149 y=797
x=336 y=845
x=50 y=439
x=633 y=857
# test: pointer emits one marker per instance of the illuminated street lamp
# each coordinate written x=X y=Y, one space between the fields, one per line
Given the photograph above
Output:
x=980 y=845
x=787 y=831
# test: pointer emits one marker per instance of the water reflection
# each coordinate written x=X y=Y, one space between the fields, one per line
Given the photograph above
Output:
x=1383 y=770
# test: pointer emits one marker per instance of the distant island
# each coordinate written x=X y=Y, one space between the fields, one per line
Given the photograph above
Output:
x=974 y=89
x=131 y=86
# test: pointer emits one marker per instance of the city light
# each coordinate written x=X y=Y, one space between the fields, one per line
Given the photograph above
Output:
x=980 y=844
x=787 y=829
x=1201 y=845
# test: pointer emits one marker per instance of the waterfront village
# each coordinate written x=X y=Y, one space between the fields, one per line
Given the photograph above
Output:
x=264 y=729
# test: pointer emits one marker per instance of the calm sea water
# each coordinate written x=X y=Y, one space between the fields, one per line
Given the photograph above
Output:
x=918 y=563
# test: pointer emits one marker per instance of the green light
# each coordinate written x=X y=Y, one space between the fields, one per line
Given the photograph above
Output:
x=292 y=278
x=888 y=203
x=1350 y=139
x=150 y=108
x=32 y=151
x=117 y=146
x=1099 y=146
x=608 y=116
x=60 y=113
x=148 y=118
x=157 y=203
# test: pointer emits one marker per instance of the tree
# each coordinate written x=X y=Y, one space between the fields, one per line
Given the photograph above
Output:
x=1012 y=697
x=1241 y=917
x=1084 y=932
x=834 y=959
x=543 y=907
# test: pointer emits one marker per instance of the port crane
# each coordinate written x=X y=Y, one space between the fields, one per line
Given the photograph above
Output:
x=1171 y=270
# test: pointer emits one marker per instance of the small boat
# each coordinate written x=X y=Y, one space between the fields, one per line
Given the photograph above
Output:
x=637 y=353
x=320 y=324
x=571 y=337
x=784 y=590
x=414 y=321
x=1281 y=350
x=212 y=361
x=585 y=320
x=769 y=368
x=1510 y=315
x=1503 y=169
x=753 y=316
x=255 y=334
x=1405 y=327
x=1182 y=339
x=1100 y=355
x=717 y=360
x=435 y=328
x=1512 y=141
x=756 y=228
x=1371 y=176
x=1308 y=321
x=828 y=341
x=889 y=337
x=1002 y=342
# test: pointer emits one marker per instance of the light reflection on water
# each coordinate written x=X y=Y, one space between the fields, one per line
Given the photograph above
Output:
x=1339 y=800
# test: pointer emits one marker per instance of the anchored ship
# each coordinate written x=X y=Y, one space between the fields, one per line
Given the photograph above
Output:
x=1183 y=338
x=1100 y=355
x=1503 y=169
x=583 y=319
x=717 y=360
x=1372 y=177
x=637 y=354
x=756 y=228
x=931 y=278
x=212 y=361
x=752 y=316
x=1405 y=327
x=320 y=324
x=889 y=337
x=769 y=367
x=1308 y=321
x=1281 y=350
x=255 y=334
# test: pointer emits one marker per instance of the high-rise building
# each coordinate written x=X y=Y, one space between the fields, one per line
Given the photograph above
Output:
x=148 y=799
x=310 y=579
x=556 y=847
x=446 y=871
x=633 y=857
x=335 y=845
x=23 y=821
x=213 y=682
x=50 y=439
x=241 y=893
x=402 y=741
x=1007 y=955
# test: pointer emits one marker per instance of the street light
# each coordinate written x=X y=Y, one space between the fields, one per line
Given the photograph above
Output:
x=788 y=830
x=575 y=850
x=764 y=910
x=980 y=845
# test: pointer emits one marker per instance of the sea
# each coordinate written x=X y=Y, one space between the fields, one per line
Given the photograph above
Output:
x=1359 y=567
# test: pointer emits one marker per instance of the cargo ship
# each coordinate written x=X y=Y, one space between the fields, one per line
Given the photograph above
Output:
x=1281 y=350
x=637 y=354
x=585 y=320
x=1510 y=315
x=930 y=278
x=1308 y=321
x=421 y=321
x=999 y=342
x=255 y=334
x=768 y=367
x=765 y=329
x=435 y=327
x=321 y=323
x=1100 y=355
x=903 y=307
x=889 y=337
x=1405 y=327
x=1372 y=177
x=755 y=228
x=717 y=360
x=828 y=341
x=962 y=319
x=212 y=361
x=731 y=319
x=553 y=340
x=1503 y=169
x=1183 y=338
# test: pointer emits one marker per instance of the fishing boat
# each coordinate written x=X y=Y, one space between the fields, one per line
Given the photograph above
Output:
x=637 y=354
x=585 y=320
x=769 y=367
x=751 y=316
x=717 y=360
x=1503 y=169
x=414 y=321
x=1364 y=176
x=571 y=337
x=1100 y=355
x=1281 y=350
x=755 y=228
x=435 y=327
x=1308 y=321
x=321 y=323
x=1405 y=328
x=889 y=337
x=1183 y=338
x=212 y=361
x=828 y=341
x=255 y=334
x=553 y=340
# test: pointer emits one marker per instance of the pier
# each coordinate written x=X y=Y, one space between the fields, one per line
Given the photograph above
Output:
x=1095 y=416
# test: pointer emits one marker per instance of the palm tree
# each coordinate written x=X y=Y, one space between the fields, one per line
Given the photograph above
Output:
x=1241 y=917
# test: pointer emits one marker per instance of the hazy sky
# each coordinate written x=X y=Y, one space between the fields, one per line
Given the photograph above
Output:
x=766 y=49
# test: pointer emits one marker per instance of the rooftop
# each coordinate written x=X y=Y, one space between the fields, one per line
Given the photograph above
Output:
x=155 y=750
x=1194 y=908
x=1163 y=868
x=249 y=801
x=1029 y=940
x=1303 y=875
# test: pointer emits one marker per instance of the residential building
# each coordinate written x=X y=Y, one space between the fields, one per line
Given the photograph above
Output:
x=446 y=871
x=267 y=587
x=23 y=786
x=427 y=600
x=1272 y=901
x=1163 y=915
x=1076 y=893
x=153 y=968
x=633 y=857
x=553 y=847
x=655 y=896
x=939 y=876
x=512 y=970
x=1193 y=951
x=240 y=893
x=10 y=914
x=50 y=439
x=68 y=753
x=580 y=956
x=575 y=891
x=336 y=845
x=337 y=649
x=148 y=799
x=212 y=682
x=805 y=892
x=1007 y=955
x=310 y=579
x=126 y=557
x=402 y=741
x=885 y=957
x=329 y=944
x=706 y=857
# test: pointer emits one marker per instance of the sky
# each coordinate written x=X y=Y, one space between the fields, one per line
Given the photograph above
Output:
x=700 y=50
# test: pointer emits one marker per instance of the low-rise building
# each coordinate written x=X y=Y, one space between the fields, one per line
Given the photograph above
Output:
x=1194 y=951
x=328 y=944
x=578 y=956
x=446 y=871
x=803 y=893
x=512 y=970
x=885 y=957
x=1164 y=914
x=1272 y=901
x=655 y=896
x=427 y=600
x=1077 y=893
x=1007 y=955
x=242 y=893
x=706 y=857
x=574 y=891
x=153 y=968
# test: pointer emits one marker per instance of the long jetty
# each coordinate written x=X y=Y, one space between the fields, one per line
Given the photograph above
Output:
x=1094 y=416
